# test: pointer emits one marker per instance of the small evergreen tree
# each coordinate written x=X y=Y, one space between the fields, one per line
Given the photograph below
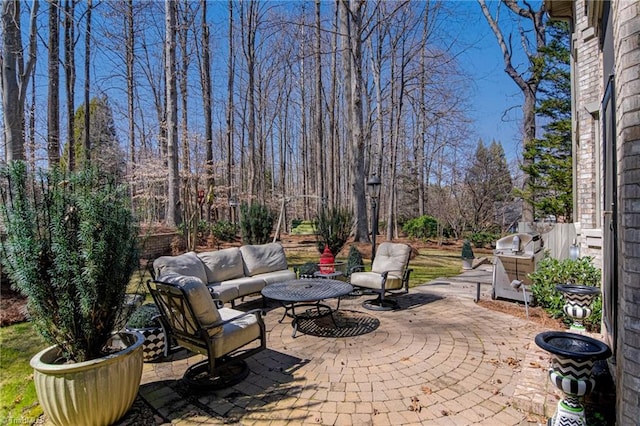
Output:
x=334 y=227
x=354 y=261
x=467 y=251
x=256 y=223
x=70 y=248
x=487 y=182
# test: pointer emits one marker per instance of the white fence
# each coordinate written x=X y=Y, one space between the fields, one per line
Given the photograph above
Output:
x=556 y=237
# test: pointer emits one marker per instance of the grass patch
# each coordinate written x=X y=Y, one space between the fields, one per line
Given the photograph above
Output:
x=18 y=400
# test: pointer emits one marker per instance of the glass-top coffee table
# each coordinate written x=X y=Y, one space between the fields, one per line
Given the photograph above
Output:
x=307 y=293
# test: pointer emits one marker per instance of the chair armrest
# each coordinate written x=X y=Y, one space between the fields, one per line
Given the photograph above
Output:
x=257 y=312
x=357 y=268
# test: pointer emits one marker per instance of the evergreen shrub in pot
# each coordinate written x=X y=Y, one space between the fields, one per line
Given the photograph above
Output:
x=467 y=255
x=145 y=320
x=70 y=247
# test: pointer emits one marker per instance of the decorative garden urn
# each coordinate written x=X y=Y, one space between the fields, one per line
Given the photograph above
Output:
x=573 y=356
x=578 y=299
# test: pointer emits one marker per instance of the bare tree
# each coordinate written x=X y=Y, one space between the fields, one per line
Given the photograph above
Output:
x=15 y=75
x=53 y=105
x=130 y=61
x=528 y=84
x=351 y=37
x=230 y=109
x=173 y=210
x=205 y=82
x=70 y=77
x=87 y=85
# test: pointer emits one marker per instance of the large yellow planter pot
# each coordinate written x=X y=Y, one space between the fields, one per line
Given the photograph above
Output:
x=90 y=393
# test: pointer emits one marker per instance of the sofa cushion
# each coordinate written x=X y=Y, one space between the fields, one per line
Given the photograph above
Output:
x=223 y=292
x=277 y=276
x=199 y=298
x=188 y=264
x=223 y=265
x=246 y=285
x=262 y=258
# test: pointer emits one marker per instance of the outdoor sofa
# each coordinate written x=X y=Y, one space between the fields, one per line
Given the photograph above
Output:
x=230 y=273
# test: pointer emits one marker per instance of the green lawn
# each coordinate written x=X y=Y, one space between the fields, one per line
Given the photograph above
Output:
x=18 y=343
x=18 y=402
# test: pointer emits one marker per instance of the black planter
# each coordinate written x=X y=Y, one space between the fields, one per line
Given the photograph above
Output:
x=572 y=361
x=578 y=299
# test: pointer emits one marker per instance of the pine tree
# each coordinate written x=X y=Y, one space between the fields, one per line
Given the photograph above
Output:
x=487 y=182
x=549 y=166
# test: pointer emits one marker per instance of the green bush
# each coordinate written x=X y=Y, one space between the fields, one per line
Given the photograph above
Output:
x=70 y=248
x=467 y=252
x=334 y=227
x=223 y=230
x=354 y=261
x=146 y=316
x=256 y=223
x=483 y=239
x=422 y=227
x=551 y=272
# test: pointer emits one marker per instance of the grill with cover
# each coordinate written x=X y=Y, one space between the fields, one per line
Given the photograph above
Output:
x=515 y=257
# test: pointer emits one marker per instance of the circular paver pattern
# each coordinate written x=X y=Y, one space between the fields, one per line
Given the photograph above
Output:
x=437 y=360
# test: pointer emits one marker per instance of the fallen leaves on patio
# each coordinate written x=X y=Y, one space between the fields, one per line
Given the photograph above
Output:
x=415 y=404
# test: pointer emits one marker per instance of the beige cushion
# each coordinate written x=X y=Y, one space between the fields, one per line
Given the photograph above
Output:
x=188 y=264
x=199 y=298
x=245 y=285
x=259 y=259
x=373 y=280
x=223 y=265
x=391 y=257
x=236 y=333
x=224 y=292
x=277 y=276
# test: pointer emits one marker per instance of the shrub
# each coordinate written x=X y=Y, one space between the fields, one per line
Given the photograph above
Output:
x=70 y=248
x=223 y=230
x=551 y=272
x=307 y=269
x=256 y=223
x=334 y=228
x=483 y=239
x=354 y=261
x=467 y=252
x=422 y=227
x=146 y=316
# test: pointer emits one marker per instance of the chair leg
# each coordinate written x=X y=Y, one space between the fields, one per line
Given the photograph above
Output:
x=380 y=304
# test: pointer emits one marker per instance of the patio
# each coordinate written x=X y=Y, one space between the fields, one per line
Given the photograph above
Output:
x=440 y=359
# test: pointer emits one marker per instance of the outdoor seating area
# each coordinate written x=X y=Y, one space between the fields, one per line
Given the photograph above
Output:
x=438 y=358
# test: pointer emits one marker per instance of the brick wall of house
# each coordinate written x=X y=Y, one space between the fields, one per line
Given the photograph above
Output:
x=626 y=36
x=589 y=90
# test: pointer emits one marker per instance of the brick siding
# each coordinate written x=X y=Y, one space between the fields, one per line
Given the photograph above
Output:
x=626 y=25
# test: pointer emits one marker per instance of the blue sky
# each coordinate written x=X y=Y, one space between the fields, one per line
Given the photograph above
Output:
x=495 y=98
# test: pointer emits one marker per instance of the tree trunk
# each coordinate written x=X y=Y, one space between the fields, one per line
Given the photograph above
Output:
x=351 y=28
x=87 y=85
x=205 y=79
x=173 y=196
x=320 y=149
x=230 y=107
x=129 y=46
x=53 y=96
x=70 y=76
x=15 y=76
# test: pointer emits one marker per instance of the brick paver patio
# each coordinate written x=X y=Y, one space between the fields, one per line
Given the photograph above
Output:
x=439 y=360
